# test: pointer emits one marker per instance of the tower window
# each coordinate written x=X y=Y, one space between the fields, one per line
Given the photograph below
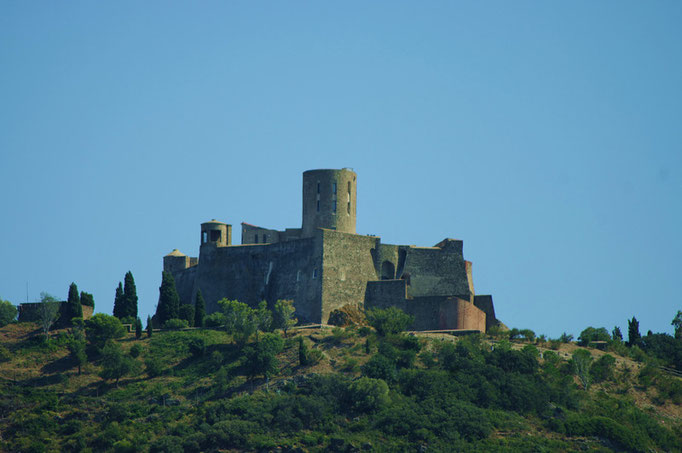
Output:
x=318 y=205
x=334 y=206
x=215 y=236
x=255 y=238
x=265 y=238
x=318 y=187
x=315 y=273
x=334 y=187
x=348 y=206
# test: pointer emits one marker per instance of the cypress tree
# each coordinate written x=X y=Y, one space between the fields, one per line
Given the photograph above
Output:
x=633 y=332
x=138 y=328
x=169 y=301
x=74 y=303
x=199 y=310
x=149 y=326
x=129 y=296
x=119 y=304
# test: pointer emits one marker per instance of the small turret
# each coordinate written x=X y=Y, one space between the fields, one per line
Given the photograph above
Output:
x=216 y=233
x=175 y=261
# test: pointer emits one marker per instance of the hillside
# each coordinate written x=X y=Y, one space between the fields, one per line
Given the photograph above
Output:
x=193 y=390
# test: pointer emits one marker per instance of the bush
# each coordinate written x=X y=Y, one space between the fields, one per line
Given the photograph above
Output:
x=186 y=312
x=154 y=366
x=102 y=328
x=368 y=395
x=389 y=321
x=602 y=369
x=8 y=312
x=135 y=351
x=214 y=320
x=197 y=346
x=175 y=324
x=380 y=367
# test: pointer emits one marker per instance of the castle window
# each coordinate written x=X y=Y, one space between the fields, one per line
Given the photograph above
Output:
x=348 y=205
x=315 y=273
x=255 y=238
x=318 y=205
x=204 y=237
x=334 y=207
x=318 y=187
x=265 y=238
x=215 y=236
x=334 y=187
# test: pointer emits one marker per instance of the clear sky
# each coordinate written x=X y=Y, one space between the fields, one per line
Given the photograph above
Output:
x=546 y=135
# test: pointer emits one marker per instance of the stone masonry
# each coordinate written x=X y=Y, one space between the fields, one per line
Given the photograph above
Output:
x=325 y=265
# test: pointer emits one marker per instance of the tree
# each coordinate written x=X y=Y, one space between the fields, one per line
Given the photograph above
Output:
x=48 y=311
x=616 y=334
x=261 y=356
x=389 y=321
x=138 y=328
x=150 y=328
x=129 y=296
x=115 y=364
x=283 y=315
x=77 y=349
x=87 y=299
x=199 y=310
x=186 y=313
x=677 y=323
x=240 y=320
x=169 y=301
x=633 y=332
x=119 y=303
x=581 y=361
x=591 y=334
x=102 y=328
x=74 y=310
x=8 y=312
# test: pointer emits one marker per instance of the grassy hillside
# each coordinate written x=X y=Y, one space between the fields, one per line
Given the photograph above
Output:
x=196 y=390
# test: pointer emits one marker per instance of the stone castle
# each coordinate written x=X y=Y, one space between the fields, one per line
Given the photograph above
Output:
x=325 y=265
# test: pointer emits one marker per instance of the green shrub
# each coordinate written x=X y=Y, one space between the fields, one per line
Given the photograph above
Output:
x=591 y=334
x=215 y=320
x=197 y=346
x=602 y=369
x=135 y=351
x=388 y=321
x=368 y=395
x=102 y=328
x=154 y=366
x=175 y=324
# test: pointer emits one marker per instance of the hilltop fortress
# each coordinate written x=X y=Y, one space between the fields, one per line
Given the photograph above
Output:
x=325 y=265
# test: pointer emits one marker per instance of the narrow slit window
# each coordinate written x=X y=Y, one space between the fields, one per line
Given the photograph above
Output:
x=255 y=238
x=334 y=188
x=334 y=207
x=318 y=205
x=318 y=187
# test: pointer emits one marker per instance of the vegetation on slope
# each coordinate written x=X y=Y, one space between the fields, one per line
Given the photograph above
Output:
x=341 y=389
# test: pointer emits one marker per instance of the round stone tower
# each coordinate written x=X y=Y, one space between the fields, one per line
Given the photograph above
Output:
x=216 y=233
x=329 y=200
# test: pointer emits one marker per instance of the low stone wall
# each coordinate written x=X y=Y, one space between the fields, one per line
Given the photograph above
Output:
x=29 y=312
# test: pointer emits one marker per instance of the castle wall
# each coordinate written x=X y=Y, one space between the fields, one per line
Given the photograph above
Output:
x=30 y=312
x=430 y=312
x=485 y=304
x=251 y=273
x=435 y=271
x=184 y=284
x=347 y=267
x=252 y=234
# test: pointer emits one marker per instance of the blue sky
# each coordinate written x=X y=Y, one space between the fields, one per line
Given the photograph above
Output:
x=545 y=135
